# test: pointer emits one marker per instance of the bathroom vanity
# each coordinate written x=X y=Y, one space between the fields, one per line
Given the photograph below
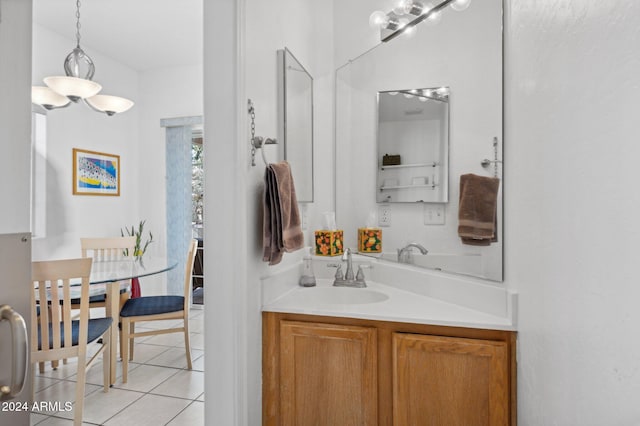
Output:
x=388 y=354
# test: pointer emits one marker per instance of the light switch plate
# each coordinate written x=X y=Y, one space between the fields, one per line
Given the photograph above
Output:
x=433 y=214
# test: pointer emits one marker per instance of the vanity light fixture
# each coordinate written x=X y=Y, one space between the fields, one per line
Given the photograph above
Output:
x=406 y=14
x=60 y=91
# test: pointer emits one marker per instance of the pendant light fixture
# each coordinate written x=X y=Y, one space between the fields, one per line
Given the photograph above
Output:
x=60 y=91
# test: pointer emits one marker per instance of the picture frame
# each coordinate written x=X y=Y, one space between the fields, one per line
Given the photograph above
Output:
x=95 y=173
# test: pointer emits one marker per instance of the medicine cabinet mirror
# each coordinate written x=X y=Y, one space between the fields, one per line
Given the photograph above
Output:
x=464 y=54
x=413 y=145
x=295 y=121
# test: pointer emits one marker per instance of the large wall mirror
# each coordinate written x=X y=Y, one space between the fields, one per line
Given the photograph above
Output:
x=462 y=53
x=295 y=121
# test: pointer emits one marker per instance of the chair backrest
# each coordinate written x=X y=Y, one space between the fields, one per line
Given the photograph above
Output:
x=52 y=288
x=102 y=249
x=191 y=257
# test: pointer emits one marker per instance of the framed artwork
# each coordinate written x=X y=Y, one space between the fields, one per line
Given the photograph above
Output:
x=95 y=173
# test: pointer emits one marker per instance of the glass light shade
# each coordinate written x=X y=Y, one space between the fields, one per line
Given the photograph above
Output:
x=378 y=19
x=46 y=97
x=73 y=88
x=460 y=5
x=110 y=105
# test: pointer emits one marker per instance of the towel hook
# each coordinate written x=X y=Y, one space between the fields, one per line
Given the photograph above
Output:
x=486 y=162
x=257 y=142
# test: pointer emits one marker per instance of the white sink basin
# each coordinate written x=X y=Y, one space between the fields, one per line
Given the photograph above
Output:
x=339 y=296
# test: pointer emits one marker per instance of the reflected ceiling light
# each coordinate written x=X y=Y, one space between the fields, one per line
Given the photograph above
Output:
x=393 y=23
x=77 y=84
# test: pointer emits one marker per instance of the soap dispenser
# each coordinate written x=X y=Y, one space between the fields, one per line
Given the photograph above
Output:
x=307 y=279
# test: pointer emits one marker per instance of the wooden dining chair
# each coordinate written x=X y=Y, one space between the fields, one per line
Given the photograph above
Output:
x=54 y=334
x=155 y=308
x=106 y=249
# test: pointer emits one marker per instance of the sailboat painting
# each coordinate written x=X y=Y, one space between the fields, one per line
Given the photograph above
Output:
x=95 y=173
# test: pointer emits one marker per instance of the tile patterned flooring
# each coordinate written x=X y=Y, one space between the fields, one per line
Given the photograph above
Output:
x=160 y=389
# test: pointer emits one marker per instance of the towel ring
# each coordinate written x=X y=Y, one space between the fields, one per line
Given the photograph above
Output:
x=257 y=142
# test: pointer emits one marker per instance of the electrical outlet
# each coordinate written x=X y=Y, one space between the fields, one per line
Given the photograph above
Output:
x=384 y=215
x=433 y=214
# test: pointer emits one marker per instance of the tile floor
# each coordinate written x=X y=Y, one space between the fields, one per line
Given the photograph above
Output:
x=160 y=390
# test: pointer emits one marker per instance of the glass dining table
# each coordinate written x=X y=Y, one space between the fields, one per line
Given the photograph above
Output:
x=108 y=277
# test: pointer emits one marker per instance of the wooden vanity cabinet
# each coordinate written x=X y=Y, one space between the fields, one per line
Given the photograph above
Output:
x=326 y=371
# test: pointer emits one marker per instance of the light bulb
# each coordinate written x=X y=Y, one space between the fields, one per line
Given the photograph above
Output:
x=460 y=5
x=434 y=17
x=399 y=7
x=422 y=99
x=403 y=22
x=393 y=93
x=378 y=19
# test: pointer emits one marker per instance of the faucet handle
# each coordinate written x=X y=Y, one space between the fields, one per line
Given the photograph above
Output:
x=359 y=281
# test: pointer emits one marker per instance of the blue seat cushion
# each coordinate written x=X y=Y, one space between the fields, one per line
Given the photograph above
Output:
x=152 y=305
x=96 y=328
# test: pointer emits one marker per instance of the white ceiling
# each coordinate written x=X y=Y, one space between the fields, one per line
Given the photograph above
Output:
x=143 y=34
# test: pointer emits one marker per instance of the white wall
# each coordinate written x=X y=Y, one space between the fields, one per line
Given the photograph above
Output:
x=571 y=193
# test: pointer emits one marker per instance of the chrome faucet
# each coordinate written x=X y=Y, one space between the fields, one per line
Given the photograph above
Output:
x=349 y=280
x=405 y=254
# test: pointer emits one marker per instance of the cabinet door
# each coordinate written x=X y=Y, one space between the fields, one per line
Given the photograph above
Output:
x=446 y=381
x=328 y=374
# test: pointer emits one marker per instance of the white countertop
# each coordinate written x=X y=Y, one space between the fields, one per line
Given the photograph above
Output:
x=401 y=306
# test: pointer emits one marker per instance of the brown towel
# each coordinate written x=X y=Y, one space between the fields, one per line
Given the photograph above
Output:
x=281 y=222
x=477 y=209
